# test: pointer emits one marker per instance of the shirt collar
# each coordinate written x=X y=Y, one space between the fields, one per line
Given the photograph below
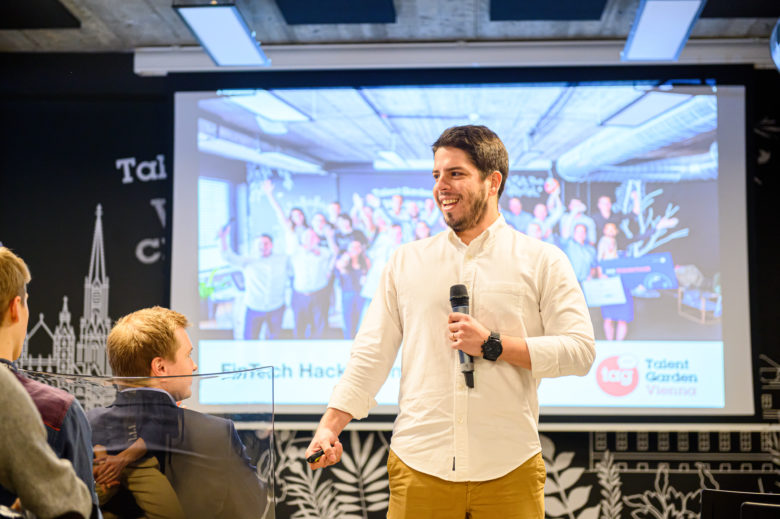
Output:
x=150 y=389
x=486 y=237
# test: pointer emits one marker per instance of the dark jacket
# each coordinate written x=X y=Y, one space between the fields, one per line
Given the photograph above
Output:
x=201 y=455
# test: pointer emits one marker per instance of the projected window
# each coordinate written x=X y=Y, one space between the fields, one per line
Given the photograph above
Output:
x=214 y=200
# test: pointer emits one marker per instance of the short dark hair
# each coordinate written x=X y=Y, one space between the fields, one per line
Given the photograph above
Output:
x=344 y=216
x=483 y=147
x=270 y=238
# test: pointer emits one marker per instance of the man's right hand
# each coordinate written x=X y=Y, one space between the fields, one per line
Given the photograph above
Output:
x=327 y=441
x=326 y=438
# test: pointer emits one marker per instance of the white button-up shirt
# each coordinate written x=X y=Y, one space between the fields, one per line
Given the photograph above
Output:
x=518 y=286
x=311 y=269
x=265 y=279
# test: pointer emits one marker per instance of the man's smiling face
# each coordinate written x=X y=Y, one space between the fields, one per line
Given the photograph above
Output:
x=459 y=190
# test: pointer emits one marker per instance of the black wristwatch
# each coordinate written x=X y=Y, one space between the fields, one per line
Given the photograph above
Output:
x=492 y=348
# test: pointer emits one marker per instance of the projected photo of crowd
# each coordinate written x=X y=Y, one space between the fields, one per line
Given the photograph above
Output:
x=304 y=194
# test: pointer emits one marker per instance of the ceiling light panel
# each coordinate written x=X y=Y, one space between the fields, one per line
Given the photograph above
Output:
x=268 y=106
x=223 y=33
x=661 y=29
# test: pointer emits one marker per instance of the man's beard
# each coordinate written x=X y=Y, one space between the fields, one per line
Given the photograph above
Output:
x=476 y=210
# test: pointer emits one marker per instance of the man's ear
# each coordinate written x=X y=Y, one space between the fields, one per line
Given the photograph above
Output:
x=13 y=310
x=495 y=182
x=158 y=367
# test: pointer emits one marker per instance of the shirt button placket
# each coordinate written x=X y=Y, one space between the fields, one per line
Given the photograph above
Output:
x=460 y=417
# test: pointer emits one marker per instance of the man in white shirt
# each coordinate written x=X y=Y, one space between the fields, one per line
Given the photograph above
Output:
x=265 y=278
x=311 y=266
x=528 y=320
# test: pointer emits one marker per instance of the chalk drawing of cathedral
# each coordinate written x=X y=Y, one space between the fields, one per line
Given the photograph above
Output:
x=85 y=354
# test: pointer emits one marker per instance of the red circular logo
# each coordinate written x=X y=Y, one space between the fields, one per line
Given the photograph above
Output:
x=618 y=375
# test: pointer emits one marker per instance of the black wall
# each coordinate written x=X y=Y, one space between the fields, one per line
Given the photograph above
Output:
x=66 y=121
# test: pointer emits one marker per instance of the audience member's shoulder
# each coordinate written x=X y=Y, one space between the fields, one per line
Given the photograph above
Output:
x=8 y=383
x=205 y=431
x=205 y=418
x=52 y=403
x=96 y=414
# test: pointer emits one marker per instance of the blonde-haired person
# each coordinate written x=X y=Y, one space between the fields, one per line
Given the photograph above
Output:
x=206 y=471
x=131 y=436
x=67 y=430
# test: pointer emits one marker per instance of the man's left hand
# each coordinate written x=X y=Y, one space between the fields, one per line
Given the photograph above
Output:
x=466 y=334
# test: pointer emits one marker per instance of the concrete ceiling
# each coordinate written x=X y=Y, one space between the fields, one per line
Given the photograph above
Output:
x=125 y=25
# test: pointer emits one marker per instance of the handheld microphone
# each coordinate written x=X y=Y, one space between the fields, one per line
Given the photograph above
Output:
x=459 y=299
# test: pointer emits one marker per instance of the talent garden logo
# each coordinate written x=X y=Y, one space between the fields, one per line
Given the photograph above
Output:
x=618 y=375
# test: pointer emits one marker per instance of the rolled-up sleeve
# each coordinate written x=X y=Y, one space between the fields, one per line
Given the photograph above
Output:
x=567 y=345
x=373 y=352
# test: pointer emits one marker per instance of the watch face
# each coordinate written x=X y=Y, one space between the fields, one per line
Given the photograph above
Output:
x=491 y=349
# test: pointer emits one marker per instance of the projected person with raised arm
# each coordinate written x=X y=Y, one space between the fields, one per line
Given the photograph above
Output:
x=295 y=222
x=528 y=320
x=265 y=278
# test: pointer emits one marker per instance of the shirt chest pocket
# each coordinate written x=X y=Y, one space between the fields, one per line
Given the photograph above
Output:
x=499 y=307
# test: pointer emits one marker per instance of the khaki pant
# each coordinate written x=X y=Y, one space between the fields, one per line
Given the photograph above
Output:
x=150 y=488
x=517 y=495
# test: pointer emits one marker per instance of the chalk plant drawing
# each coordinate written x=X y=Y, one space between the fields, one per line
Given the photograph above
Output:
x=352 y=490
x=666 y=502
x=611 y=492
x=363 y=485
x=561 y=497
x=284 y=454
x=313 y=496
x=298 y=485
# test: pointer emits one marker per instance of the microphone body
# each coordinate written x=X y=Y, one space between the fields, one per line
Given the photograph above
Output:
x=459 y=300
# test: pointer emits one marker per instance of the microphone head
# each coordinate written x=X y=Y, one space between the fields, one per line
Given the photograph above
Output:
x=458 y=291
x=459 y=296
